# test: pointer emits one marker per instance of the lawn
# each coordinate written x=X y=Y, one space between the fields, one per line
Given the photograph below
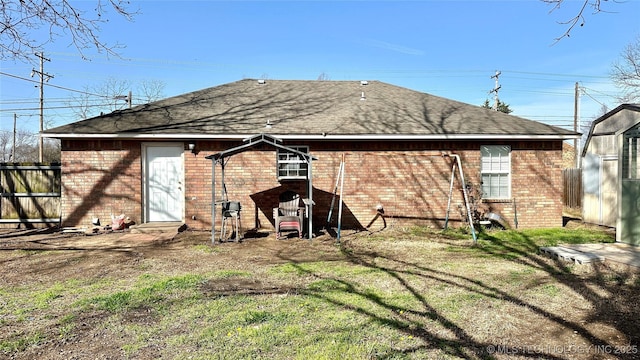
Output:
x=401 y=293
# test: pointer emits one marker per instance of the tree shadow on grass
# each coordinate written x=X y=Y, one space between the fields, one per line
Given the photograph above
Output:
x=613 y=291
x=400 y=317
x=422 y=316
x=614 y=304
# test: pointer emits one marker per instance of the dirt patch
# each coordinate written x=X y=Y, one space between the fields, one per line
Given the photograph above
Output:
x=71 y=255
x=602 y=306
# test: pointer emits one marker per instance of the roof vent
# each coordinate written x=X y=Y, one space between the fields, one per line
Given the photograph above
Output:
x=261 y=81
x=268 y=125
x=364 y=82
x=362 y=97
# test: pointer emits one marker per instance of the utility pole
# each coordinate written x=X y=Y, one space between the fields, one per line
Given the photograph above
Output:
x=43 y=75
x=495 y=90
x=13 y=148
x=576 y=120
x=125 y=98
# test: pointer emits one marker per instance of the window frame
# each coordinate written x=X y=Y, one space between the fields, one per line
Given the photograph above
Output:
x=630 y=153
x=495 y=152
x=301 y=172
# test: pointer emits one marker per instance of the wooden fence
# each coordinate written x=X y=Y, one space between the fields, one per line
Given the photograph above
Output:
x=572 y=188
x=30 y=194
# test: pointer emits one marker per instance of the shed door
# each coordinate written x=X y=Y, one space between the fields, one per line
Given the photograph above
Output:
x=629 y=229
x=164 y=183
x=609 y=192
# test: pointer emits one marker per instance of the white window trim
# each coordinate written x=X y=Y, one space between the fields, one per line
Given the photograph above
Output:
x=508 y=173
x=301 y=148
x=629 y=154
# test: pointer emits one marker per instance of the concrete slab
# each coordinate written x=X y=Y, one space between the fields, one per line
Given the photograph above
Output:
x=568 y=254
x=584 y=253
x=158 y=227
x=148 y=237
x=616 y=252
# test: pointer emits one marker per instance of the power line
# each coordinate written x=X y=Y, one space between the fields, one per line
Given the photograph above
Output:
x=592 y=98
x=54 y=107
x=51 y=85
x=53 y=100
x=32 y=100
x=599 y=92
x=557 y=74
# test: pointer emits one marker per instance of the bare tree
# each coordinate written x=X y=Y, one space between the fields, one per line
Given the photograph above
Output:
x=579 y=18
x=323 y=76
x=150 y=90
x=113 y=94
x=105 y=97
x=6 y=145
x=26 y=146
x=21 y=20
x=626 y=72
x=52 y=151
x=585 y=127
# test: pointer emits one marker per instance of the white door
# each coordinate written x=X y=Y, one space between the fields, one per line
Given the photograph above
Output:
x=165 y=199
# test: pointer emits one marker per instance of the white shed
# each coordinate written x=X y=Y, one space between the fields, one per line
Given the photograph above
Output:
x=611 y=173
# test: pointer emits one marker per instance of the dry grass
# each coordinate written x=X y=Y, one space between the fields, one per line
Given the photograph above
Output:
x=409 y=293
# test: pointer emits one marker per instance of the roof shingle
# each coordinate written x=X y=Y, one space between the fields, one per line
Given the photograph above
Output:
x=302 y=108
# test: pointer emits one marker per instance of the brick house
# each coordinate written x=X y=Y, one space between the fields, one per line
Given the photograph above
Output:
x=150 y=162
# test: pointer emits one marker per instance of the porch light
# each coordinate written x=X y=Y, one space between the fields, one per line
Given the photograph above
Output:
x=192 y=147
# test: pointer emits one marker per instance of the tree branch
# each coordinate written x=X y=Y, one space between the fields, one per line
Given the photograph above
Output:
x=23 y=19
x=626 y=72
x=578 y=18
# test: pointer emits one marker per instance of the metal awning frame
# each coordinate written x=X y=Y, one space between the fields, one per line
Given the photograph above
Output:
x=223 y=157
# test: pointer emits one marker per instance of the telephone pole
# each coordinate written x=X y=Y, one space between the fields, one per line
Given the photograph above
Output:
x=495 y=90
x=13 y=148
x=43 y=75
x=125 y=98
x=576 y=120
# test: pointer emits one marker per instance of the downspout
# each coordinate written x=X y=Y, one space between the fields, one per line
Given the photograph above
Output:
x=310 y=197
x=213 y=201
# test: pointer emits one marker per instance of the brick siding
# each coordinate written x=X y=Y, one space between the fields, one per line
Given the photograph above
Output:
x=409 y=179
x=100 y=178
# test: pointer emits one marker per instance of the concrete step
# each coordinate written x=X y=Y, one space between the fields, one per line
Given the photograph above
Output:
x=567 y=254
x=158 y=227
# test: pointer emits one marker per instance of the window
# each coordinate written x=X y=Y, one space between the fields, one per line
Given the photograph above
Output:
x=496 y=171
x=292 y=165
x=630 y=151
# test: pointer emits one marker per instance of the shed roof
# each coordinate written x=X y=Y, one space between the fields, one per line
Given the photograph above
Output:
x=613 y=122
x=308 y=109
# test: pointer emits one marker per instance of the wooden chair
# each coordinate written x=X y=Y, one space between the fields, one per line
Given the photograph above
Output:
x=289 y=215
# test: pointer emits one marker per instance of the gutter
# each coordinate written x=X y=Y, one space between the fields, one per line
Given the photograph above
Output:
x=314 y=137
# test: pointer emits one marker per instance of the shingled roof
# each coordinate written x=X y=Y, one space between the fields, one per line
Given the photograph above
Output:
x=309 y=109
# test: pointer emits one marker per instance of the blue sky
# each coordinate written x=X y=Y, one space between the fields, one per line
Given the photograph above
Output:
x=445 y=48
